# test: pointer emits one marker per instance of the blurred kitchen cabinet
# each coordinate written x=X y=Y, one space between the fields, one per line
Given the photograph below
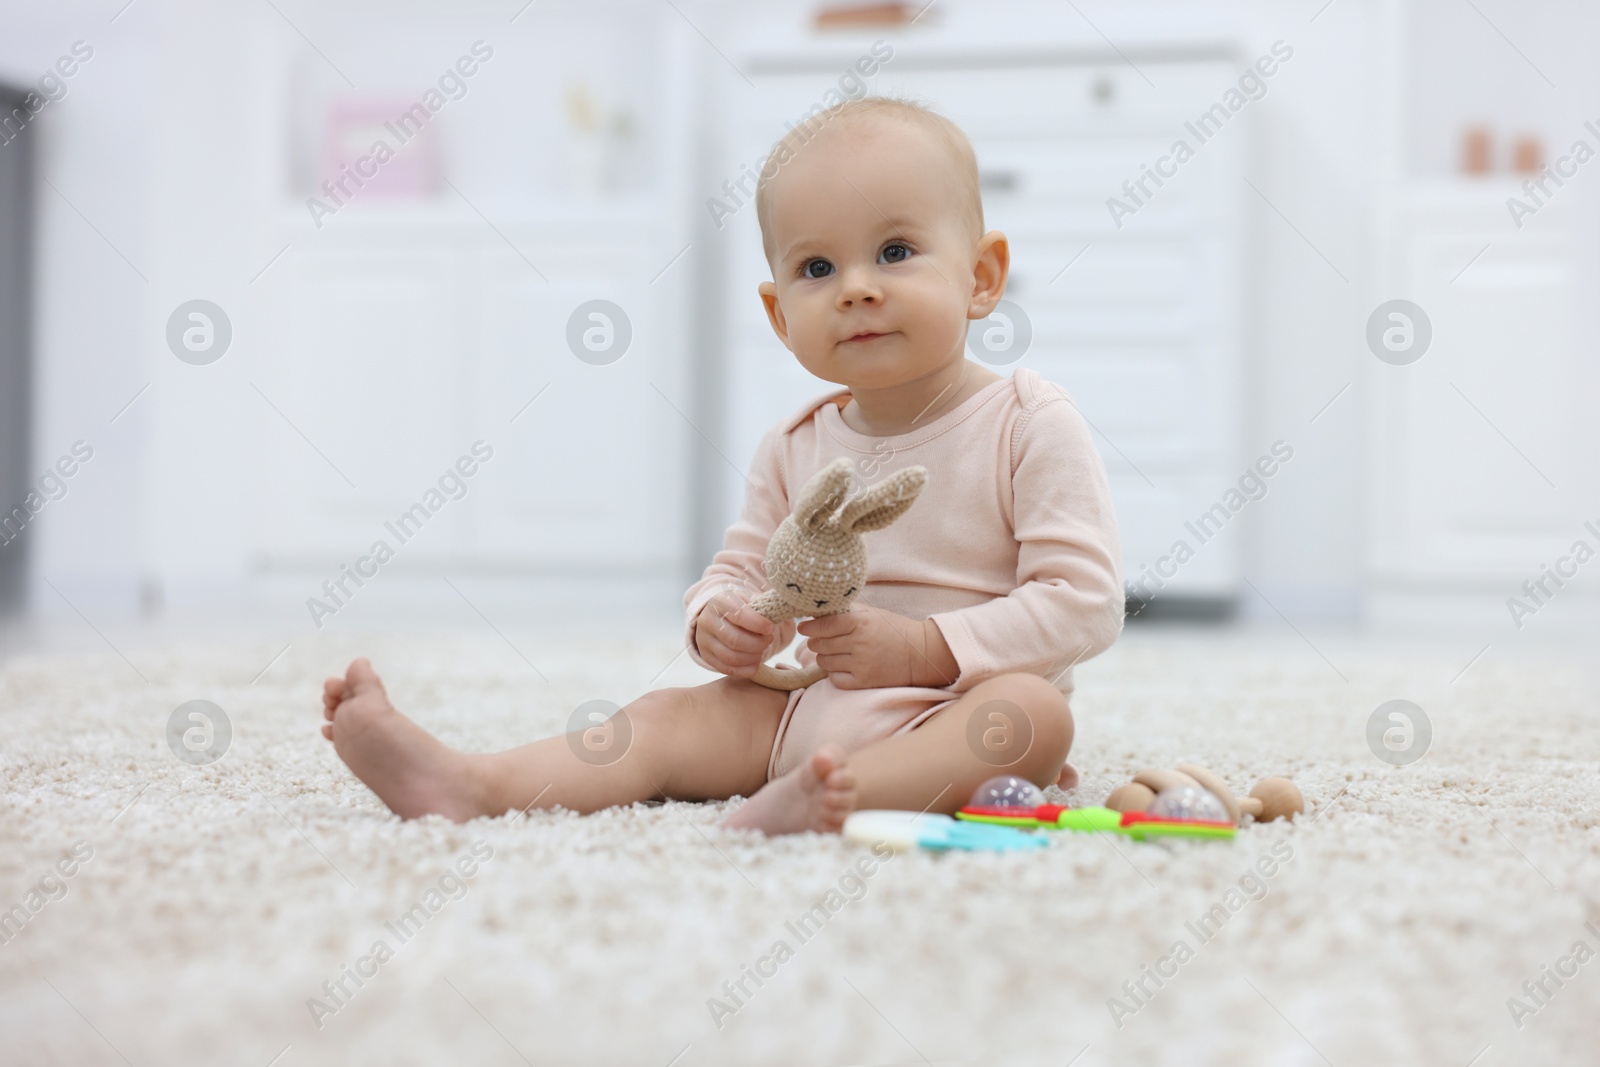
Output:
x=401 y=336
x=17 y=209
x=594 y=469
x=1482 y=456
x=365 y=392
x=1138 y=322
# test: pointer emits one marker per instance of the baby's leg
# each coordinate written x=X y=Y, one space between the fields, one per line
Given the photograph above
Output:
x=1023 y=727
x=706 y=742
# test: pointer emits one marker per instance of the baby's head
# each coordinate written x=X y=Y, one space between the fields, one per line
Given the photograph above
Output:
x=873 y=227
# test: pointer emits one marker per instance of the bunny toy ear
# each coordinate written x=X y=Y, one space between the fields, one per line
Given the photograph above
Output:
x=884 y=502
x=823 y=494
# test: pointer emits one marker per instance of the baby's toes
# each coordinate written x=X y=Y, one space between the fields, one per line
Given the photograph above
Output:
x=333 y=692
x=327 y=731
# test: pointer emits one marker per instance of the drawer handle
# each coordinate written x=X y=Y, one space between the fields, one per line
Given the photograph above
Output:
x=999 y=181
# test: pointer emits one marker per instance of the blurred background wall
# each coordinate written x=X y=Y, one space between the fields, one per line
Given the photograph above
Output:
x=253 y=376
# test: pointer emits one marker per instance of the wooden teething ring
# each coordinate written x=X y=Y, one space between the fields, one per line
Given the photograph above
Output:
x=1272 y=798
x=784 y=677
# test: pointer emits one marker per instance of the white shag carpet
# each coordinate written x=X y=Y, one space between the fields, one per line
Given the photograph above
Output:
x=219 y=899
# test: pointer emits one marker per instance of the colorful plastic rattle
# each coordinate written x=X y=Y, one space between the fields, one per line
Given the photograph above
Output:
x=1272 y=798
x=1016 y=802
x=902 y=830
x=1136 y=824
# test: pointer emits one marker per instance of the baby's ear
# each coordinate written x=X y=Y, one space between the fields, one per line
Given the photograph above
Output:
x=884 y=502
x=769 y=300
x=823 y=494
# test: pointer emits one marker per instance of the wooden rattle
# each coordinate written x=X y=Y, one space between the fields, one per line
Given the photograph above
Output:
x=1272 y=798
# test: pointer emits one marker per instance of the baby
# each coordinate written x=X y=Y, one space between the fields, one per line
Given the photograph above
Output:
x=955 y=663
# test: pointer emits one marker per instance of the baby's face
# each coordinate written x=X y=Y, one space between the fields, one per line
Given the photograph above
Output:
x=873 y=257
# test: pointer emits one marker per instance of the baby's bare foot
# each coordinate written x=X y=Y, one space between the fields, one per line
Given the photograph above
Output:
x=816 y=795
x=410 y=769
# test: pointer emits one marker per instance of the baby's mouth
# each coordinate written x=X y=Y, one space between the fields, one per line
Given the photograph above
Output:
x=864 y=336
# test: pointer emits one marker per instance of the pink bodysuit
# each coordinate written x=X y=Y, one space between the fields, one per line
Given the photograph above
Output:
x=1011 y=549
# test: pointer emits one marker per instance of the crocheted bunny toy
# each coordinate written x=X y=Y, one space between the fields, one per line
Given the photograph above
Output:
x=817 y=562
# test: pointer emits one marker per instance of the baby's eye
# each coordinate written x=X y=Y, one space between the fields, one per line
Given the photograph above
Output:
x=816 y=268
x=894 y=252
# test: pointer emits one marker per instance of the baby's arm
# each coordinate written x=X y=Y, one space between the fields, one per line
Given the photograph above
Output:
x=936 y=667
x=737 y=573
x=1069 y=601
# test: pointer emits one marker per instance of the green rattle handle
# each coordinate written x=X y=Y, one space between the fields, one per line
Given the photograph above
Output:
x=1090 y=819
x=1140 y=825
x=1135 y=824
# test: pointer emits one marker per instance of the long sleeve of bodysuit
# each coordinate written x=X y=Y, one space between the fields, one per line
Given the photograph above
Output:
x=740 y=564
x=1068 y=603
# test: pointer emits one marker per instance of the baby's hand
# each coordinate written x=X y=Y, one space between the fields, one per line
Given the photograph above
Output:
x=868 y=648
x=732 y=636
